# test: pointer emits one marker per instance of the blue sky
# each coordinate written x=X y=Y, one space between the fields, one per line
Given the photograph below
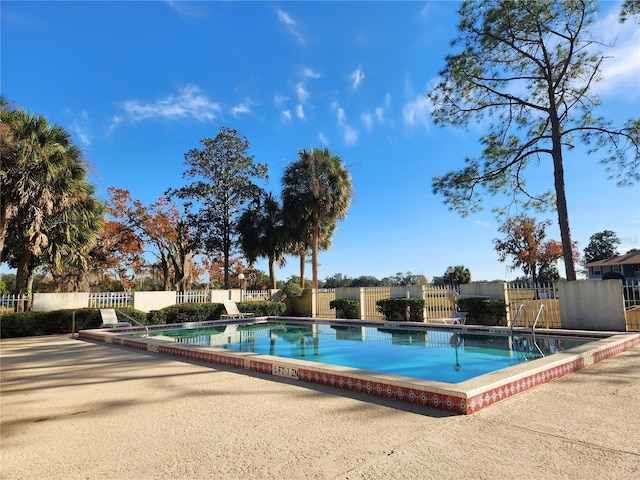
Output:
x=138 y=84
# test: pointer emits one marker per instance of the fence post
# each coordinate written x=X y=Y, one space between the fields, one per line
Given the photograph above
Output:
x=505 y=293
x=314 y=302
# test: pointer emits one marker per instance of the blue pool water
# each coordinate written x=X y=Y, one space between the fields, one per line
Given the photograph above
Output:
x=438 y=355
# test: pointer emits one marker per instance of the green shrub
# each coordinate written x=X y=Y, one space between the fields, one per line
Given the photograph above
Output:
x=395 y=309
x=141 y=317
x=202 y=312
x=29 y=324
x=265 y=308
x=346 y=307
x=186 y=312
x=291 y=289
x=484 y=311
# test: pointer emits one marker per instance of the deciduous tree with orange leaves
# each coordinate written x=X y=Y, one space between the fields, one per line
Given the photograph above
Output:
x=524 y=242
x=162 y=228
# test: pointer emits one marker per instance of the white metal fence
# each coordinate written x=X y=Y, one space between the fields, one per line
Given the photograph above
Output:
x=125 y=299
x=194 y=296
x=256 y=295
x=13 y=303
x=631 y=292
x=110 y=300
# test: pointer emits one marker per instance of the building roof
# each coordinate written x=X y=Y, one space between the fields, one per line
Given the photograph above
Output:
x=628 y=259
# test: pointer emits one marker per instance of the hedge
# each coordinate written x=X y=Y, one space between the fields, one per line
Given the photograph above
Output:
x=29 y=324
x=345 y=307
x=396 y=309
x=186 y=312
x=484 y=311
x=202 y=312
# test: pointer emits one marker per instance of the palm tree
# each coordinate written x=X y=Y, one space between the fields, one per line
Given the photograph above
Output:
x=317 y=187
x=42 y=179
x=262 y=233
x=71 y=238
x=300 y=237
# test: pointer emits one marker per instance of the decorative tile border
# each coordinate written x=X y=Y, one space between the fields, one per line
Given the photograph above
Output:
x=452 y=398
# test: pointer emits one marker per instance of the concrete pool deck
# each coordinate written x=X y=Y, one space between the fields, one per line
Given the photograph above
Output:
x=77 y=409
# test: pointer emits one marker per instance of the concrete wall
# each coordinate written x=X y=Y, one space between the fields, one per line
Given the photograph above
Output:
x=219 y=296
x=495 y=290
x=46 y=302
x=147 y=301
x=588 y=305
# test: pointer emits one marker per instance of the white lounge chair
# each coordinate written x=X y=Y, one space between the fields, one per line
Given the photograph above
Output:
x=233 y=311
x=458 y=318
x=110 y=319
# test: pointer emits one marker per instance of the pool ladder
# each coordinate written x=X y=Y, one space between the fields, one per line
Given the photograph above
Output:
x=535 y=322
x=134 y=321
x=533 y=327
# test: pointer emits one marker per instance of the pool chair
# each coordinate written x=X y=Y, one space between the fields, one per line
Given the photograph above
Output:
x=458 y=318
x=233 y=312
x=110 y=319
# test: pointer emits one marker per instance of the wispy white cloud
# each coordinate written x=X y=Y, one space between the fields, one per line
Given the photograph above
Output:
x=621 y=68
x=291 y=25
x=115 y=122
x=356 y=78
x=190 y=102
x=244 y=107
x=417 y=111
x=386 y=104
x=300 y=111
x=370 y=119
x=349 y=134
x=425 y=11
x=308 y=73
x=367 y=119
x=280 y=100
x=323 y=139
x=186 y=9
x=379 y=114
x=80 y=127
x=302 y=92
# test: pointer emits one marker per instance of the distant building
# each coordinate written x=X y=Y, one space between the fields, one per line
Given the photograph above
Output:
x=627 y=265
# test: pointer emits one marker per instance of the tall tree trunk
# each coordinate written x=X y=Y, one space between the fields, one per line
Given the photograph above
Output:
x=166 y=282
x=29 y=289
x=226 y=251
x=4 y=227
x=303 y=260
x=561 y=202
x=82 y=282
x=272 y=271
x=21 y=274
x=314 y=251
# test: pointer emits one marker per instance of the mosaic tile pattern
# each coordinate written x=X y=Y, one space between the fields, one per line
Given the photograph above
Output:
x=457 y=402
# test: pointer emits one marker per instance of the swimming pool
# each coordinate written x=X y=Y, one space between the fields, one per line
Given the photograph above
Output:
x=437 y=355
x=457 y=395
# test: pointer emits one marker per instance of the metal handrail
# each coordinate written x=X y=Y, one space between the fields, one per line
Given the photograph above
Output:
x=535 y=322
x=133 y=320
x=515 y=319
